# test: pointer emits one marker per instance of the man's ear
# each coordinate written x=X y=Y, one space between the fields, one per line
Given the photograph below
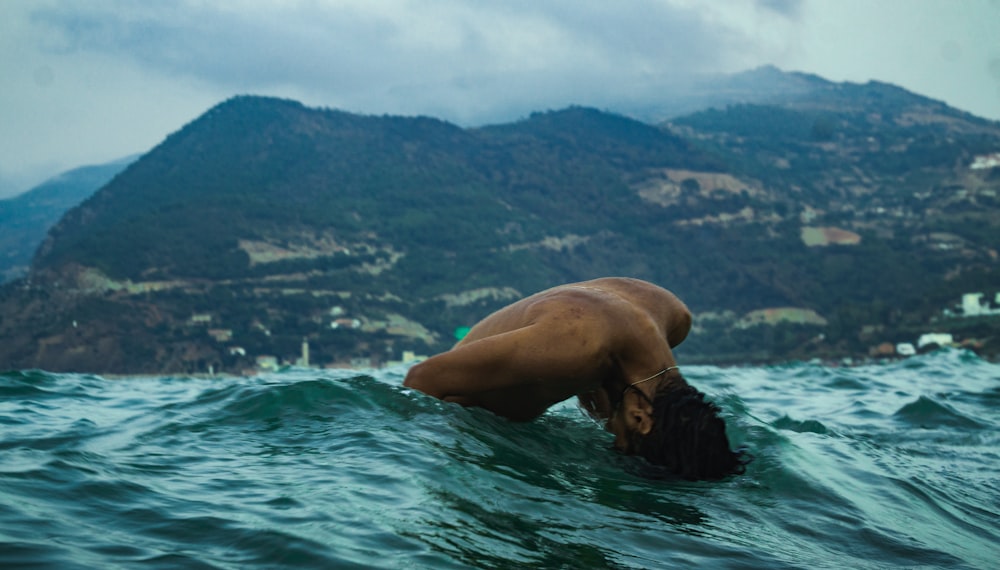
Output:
x=640 y=418
x=641 y=422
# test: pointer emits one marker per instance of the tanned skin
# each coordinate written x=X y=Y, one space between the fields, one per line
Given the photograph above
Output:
x=590 y=340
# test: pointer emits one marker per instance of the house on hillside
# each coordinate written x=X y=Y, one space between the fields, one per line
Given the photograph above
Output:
x=931 y=339
x=976 y=305
x=985 y=161
x=345 y=323
x=267 y=362
x=221 y=335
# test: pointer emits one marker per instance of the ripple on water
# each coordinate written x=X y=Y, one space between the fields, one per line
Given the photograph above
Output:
x=929 y=413
x=880 y=466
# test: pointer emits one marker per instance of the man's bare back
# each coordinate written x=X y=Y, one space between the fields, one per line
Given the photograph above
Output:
x=606 y=341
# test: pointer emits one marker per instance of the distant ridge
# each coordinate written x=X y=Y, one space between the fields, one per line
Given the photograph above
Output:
x=27 y=217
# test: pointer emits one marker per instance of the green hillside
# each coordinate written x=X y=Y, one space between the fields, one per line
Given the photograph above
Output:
x=264 y=223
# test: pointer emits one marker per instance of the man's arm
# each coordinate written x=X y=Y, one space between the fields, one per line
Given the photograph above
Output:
x=468 y=369
x=516 y=374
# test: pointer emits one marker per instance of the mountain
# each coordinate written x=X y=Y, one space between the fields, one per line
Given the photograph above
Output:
x=686 y=95
x=823 y=224
x=26 y=218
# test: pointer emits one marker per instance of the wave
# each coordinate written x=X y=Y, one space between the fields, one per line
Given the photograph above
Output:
x=926 y=412
x=874 y=466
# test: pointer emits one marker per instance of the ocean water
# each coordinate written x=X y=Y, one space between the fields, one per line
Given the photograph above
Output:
x=885 y=466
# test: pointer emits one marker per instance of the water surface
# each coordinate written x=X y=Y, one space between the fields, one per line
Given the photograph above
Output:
x=881 y=466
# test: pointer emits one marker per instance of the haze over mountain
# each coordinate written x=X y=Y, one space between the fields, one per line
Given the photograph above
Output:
x=822 y=220
x=26 y=218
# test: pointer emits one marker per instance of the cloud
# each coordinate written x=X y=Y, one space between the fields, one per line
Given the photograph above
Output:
x=88 y=82
x=787 y=8
x=465 y=61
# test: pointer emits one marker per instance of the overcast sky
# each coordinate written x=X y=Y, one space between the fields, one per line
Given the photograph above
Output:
x=90 y=82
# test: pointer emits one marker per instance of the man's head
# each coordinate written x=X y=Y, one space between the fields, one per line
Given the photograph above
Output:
x=683 y=433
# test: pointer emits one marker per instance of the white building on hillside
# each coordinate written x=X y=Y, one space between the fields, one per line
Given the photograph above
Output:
x=986 y=161
x=940 y=339
x=973 y=305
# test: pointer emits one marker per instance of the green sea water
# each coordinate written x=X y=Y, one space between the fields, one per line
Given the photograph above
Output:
x=884 y=466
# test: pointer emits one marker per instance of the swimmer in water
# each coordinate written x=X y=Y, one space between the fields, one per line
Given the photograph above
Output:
x=608 y=342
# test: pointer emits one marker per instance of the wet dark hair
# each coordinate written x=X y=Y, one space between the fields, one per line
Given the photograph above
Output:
x=688 y=437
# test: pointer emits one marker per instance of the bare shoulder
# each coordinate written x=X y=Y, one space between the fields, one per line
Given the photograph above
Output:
x=563 y=303
x=669 y=313
x=648 y=296
x=633 y=288
x=607 y=298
